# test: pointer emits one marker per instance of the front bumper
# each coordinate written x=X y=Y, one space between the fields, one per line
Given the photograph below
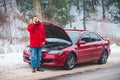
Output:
x=54 y=59
x=49 y=59
x=26 y=59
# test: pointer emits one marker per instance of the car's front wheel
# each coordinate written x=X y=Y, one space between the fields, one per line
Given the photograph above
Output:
x=103 y=58
x=70 y=62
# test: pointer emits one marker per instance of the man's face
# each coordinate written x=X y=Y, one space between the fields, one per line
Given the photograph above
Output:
x=35 y=19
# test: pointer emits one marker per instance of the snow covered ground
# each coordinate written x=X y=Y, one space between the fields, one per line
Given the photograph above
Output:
x=115 y=53
x=12 y=59
x=12 y=66
x=115 y=48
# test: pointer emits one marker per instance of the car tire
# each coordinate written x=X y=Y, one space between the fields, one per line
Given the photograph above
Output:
x=70 y=62
x=103 y=58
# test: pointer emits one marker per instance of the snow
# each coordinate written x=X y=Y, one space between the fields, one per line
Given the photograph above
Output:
x=16 y=26
x=12 y=59
x=115 y=48
x=18 y=30
x=16 y=47
x=13 y=65
x=13 y=55
x=102 y=27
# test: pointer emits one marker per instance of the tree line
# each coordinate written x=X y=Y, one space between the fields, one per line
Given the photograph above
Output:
x=58 y=11
x=55 y=11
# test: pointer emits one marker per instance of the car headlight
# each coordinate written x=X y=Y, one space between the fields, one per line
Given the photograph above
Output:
x=27 y=49
x=55 y=52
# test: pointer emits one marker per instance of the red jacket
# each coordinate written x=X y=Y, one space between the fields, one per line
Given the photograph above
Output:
x=37 y=35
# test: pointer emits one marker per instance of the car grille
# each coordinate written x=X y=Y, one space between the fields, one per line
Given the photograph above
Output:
x=27 y=58
x=47 y=60
x=43 y=60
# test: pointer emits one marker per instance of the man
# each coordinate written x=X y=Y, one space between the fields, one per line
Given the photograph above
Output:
x=37 y=41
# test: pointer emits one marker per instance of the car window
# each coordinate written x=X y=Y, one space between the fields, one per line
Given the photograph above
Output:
x=94 y=37
x=86 y=37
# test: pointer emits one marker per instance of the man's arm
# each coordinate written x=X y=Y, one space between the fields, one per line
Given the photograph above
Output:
x=44 y=35
x=30 y=27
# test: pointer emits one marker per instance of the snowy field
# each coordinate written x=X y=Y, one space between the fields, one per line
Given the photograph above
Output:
x=12 y=59
x=12 y=66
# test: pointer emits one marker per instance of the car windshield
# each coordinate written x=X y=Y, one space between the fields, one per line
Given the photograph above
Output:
x=73 y=36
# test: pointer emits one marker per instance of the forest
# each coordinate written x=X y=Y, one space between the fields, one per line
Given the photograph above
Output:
x=15 y=15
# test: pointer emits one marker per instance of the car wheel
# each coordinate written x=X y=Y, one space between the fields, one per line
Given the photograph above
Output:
x=70 y=62
x=103 y=58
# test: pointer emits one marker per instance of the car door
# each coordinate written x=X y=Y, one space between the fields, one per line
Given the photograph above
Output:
x=85 y=50
x=96 y=46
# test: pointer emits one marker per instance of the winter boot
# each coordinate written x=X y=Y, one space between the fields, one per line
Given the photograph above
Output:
x=40 y=69
x=33 y=70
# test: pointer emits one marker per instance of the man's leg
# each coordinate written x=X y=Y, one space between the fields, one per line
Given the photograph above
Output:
x=33 y=55
x=39 y=57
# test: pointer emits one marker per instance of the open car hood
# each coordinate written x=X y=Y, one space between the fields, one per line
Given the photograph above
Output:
x=52 y=31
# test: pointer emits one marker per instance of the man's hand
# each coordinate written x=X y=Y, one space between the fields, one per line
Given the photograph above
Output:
x=43 y=43
x=35 y=19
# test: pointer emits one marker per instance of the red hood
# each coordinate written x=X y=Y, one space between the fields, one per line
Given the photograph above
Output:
x=52 y=31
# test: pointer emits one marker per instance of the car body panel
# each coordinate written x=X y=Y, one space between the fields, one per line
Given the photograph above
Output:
x=84 y=53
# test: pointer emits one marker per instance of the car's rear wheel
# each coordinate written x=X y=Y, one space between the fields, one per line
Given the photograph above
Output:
x=103 y=58
x=70 y=62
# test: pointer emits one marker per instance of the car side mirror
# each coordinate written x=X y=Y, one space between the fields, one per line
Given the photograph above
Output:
x=81 y=42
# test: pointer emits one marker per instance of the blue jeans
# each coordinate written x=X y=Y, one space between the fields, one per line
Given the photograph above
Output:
x=36 y=54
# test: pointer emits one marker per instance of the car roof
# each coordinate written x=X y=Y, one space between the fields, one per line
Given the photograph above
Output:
x=77 y=31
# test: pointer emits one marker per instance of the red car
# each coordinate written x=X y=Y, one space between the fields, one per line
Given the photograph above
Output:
x=69 y=47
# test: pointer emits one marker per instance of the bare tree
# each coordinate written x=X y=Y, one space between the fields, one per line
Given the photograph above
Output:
x=84 y=22
x=78 y=8
x=5 y=8
x=38 y=9
x=7 y=34
x=119 y=5
x=103 y=9
x=78 y=5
